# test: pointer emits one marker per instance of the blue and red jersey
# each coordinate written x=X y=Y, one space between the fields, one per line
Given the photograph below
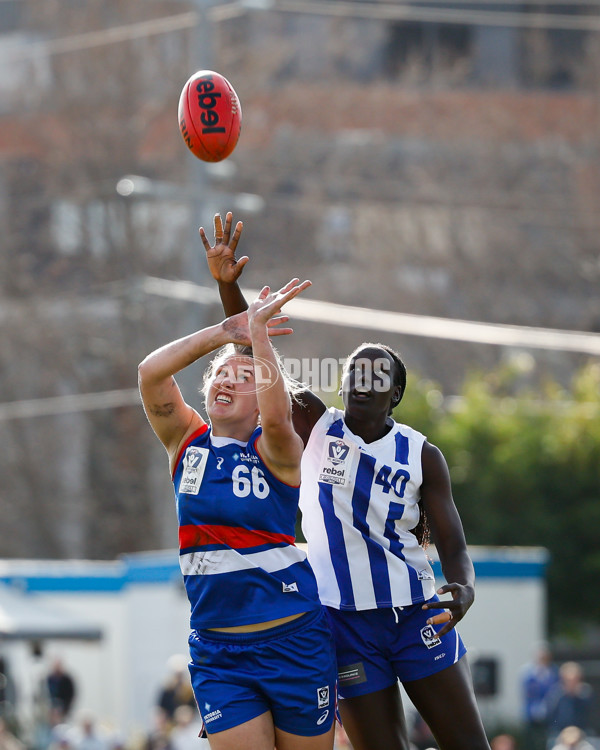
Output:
x=236 y=535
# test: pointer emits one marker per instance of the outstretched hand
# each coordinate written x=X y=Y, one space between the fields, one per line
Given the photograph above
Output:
x=264 y=311
x=456 y=608
x=221 y=258
x=268 y=304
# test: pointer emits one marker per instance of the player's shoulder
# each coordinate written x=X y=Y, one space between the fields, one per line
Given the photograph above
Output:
x=409 y=432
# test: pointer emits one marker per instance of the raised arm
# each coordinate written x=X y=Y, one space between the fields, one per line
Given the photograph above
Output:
x=448 y=535
x=279 y=444
x=226 y=270
x=222 y=263
x=171 y=418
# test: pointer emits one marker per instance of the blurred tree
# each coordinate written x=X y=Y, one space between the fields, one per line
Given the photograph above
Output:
x=524 y=466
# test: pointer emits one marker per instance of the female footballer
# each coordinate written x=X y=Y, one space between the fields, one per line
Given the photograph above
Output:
x=368 y=484
x=262 y=657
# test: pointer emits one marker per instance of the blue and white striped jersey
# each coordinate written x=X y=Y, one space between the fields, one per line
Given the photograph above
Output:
x=359 y=502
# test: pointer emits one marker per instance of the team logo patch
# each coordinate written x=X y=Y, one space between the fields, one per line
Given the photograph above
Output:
x=429 y=637
x=323 y=697
x=424 y=575
x=336 y=462
x=194 y=464
x=289 y=586
x=338 y=451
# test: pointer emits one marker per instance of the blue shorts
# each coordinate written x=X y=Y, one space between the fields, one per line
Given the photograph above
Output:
x=289 y=670
x=376 y=647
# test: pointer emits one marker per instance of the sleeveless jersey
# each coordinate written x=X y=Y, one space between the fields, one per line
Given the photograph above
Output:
x=236 y=535
x=359 y=502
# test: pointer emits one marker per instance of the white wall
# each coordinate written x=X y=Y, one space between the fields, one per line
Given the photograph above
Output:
x=145 y=621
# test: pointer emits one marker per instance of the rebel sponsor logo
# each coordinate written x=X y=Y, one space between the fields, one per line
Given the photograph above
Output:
x=330 y=471
x=194 y=463
x=336 y=463
x=208 y=99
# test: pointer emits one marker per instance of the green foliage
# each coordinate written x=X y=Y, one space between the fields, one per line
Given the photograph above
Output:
x=525 y=467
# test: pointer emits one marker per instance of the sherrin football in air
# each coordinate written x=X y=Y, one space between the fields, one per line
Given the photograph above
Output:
x=210 y=116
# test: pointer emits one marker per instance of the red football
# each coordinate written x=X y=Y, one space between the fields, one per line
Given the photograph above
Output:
x=210 y=116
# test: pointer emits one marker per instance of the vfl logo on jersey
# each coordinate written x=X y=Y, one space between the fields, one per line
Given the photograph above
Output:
x=336 y=462
x=338 y=452
x=289 y=586
x=323 y=697
x=194 y=464
x=429 y=637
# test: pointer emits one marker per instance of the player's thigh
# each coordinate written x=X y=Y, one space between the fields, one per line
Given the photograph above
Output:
x=287 y=741
x=256 y=734
x=375 y=721
x=446 y=701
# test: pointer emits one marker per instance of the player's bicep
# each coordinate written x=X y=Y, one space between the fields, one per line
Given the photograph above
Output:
x=281 y=450
x=167 y=411
x=436 y=496
x=307 y=409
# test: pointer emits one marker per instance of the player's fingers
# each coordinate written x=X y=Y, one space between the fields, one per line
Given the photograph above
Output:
x=239 y=264
x=280 y=331
x=446 y=629
x=291 y=283
x=218 y=229
x=227 y=230
x=447 y=588
x=437 y=619
x=295 y=291
x=204 y=238
x=432 y=605
x=277 y=319
x=236 y=235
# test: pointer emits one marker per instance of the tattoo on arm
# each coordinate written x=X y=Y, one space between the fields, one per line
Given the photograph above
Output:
x=236 y=331
x=161 y=410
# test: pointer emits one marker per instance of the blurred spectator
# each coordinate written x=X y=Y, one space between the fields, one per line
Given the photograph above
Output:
x=60 y=738
x=186 y=730
x=570 y=703
x=159 y=736
x=7 y=691
x=572 y=738
x=61 y=689
x=87 y=736
x=177 y=690
x=503 y=742
x=538 y=680
x=8 y=741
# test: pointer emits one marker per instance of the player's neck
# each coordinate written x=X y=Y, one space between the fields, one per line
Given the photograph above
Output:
x=368 y=430
x=241 y=431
